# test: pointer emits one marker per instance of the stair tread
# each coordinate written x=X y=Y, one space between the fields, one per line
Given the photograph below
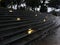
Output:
x=25 y=42
x=6 y=33
x=28 y=34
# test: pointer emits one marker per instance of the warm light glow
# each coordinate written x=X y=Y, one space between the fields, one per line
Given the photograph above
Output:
x=18 y=19
x=44 y=20
x=30 y=31
x=10 y=11
x=0 y=0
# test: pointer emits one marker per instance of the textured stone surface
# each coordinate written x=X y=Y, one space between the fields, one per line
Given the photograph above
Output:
x=53 y=39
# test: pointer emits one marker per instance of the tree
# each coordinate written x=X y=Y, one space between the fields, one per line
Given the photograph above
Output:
x=32 y=3
x=54 y=3
x=36 y=3
x=5 y=3
x=43 y=7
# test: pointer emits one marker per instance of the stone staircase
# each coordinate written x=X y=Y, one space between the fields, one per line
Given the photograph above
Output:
x=14 y=29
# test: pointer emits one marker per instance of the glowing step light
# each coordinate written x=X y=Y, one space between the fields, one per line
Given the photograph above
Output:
x=18 y=19
x=10 y=11
x=30 y=31
x=44 y=20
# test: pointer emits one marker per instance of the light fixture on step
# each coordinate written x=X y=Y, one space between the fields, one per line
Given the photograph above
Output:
x=18 y=19
x=30 y=31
